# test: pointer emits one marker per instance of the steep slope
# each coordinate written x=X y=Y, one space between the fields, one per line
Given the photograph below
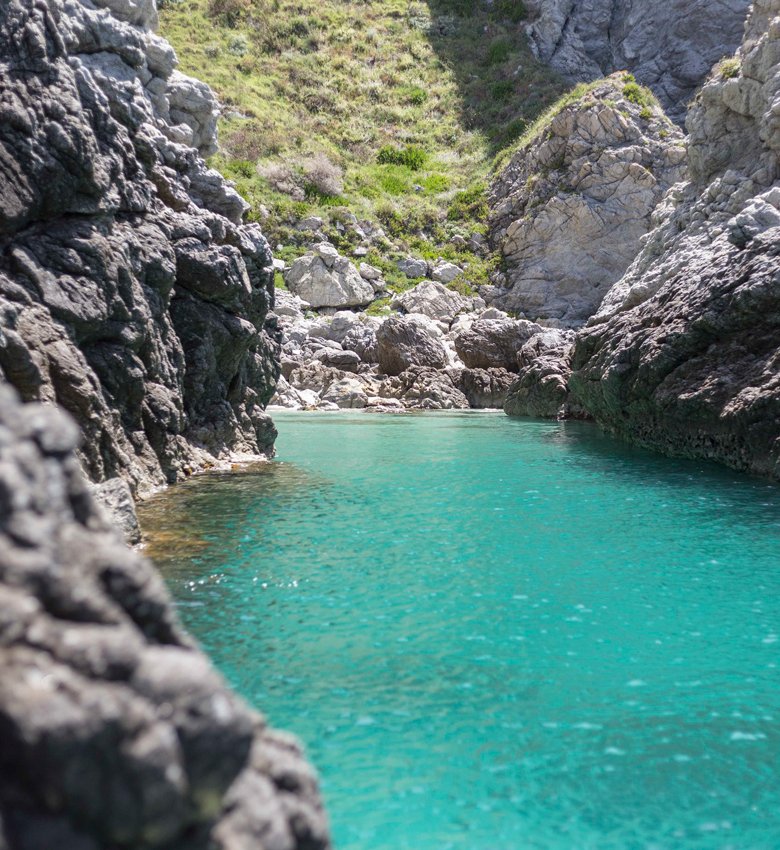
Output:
x=670 y=46
x=684 y=352
x=569 y=209
x=115 y=732
x=130 y=292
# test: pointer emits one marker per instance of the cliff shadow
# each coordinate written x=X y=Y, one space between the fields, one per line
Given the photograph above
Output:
x=502 y=87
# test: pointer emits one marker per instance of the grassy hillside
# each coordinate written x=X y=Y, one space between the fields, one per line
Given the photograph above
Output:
x=389 y=110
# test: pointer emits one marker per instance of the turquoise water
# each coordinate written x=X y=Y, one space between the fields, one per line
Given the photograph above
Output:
x=495 y=634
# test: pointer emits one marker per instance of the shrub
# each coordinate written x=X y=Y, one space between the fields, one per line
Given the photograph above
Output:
x=502 y=90
x=229 y=12
x=509 y=10
x=322 y=176
x=728 y=68
x=471 y=203
x=462 y=285
x=238 y=45
x=411 y=156
x=638 y=95
x=499 y=51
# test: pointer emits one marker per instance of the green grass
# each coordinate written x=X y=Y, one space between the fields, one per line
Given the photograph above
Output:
x=729 y=67
x=391 y=109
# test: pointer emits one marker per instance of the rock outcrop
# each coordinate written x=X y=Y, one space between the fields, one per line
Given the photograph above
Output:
x=570 y=208
x=322 y=278
x=130 y=292
x=684 y=352
x=116 y=732
x=670 y=45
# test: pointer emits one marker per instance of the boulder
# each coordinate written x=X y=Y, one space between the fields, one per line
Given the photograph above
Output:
x=347 y=361
x=412 y=267
x=570 y=208
x=486 y=388
x=494 y=343
x=541 y=387
x=445 y=272
x=402 y=343
x=325 y=279
x=432 y=299
x=424 y=388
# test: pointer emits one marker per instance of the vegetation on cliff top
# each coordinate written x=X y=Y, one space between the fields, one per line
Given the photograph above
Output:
x=392 y=111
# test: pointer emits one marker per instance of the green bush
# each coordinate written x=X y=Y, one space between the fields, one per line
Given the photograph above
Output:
x=411 y=156
x=469 y=204
x=502 y=90
x=729 y=68
x=638 y=95
x=499 y=51
x=509 y=10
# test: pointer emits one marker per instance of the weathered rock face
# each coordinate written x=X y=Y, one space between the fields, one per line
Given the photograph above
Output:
x=433 y=299
x=325 y=279
x=494 y=343
x=684 y=354
x=670 y=45
x=402 y=343
x=130 y=293
x=116 y=731
x=569 y=210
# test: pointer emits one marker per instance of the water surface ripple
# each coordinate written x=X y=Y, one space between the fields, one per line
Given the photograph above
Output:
x=495 y=634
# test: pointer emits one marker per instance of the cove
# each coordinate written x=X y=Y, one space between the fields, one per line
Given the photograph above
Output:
x=497 y=634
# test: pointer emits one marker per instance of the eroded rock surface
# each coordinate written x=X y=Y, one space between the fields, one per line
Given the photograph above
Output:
x=570 y=208
x=115 y=731
x=684 y=352
x=130 y=292
x=670 y=45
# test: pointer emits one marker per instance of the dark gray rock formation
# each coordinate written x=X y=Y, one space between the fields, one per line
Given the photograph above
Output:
x=115 y=732
x=670 y=45
x=684 y=352
x=571 y=206
x=130 y=292
x=494 y=343
x=402 y=343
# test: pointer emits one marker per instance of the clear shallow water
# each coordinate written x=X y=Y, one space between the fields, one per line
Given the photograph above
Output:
x=495 y=634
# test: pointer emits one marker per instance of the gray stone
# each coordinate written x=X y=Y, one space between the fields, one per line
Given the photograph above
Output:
x=412 y=267
x=445 y=272
x=494 y=343
x=570 y=209
x=116 y=729
x=670 y=45
x=432 y=299
x=116 y=498
x=402 y=343
x=325 y=279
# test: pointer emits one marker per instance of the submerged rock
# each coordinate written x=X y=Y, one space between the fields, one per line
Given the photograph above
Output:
x=116 y=730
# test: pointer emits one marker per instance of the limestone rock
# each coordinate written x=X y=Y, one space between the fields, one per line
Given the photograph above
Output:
x=684 y=354
x=445 y=272
x=402 y=343
x=541 y=387
x=570 y=208
x=494 y=343
x=117 y=732
x=486 y=388
x=325 y=279
x=130 y=293
x=670 y=45
x=425 y=388
x=412 y=267
x=432 y=299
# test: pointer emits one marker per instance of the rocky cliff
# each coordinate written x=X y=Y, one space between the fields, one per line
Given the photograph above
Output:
x=570 y=208
x=130 y=292
x=115 y=732
x=683 y=354
x=670 y=45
